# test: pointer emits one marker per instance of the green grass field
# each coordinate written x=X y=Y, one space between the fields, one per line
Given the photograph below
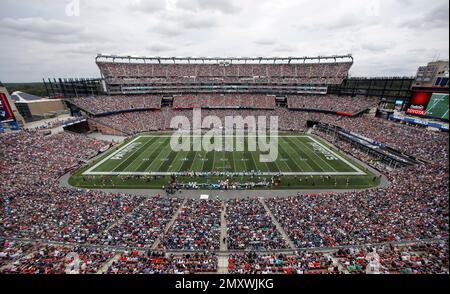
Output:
x=148 y=161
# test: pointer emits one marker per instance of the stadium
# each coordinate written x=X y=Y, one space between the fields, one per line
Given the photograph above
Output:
x=219 y=88
x=351 y=191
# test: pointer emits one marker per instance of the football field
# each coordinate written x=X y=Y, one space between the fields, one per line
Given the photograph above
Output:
x=152 y=155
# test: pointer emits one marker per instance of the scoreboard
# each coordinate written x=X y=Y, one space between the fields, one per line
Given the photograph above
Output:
x=5 y=110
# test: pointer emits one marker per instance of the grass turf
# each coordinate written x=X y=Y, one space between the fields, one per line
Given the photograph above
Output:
x=147 y=161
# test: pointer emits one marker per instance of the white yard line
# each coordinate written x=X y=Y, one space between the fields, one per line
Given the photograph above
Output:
x=358 y=172
x=89 y=171
x=236 y=173
x=318 y=156
x=167 y=136
x=295 y=152
x=158 y=157
x=163 y=156
x=140 y=156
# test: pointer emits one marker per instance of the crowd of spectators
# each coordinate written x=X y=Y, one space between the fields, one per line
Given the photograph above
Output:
x=277 y=263
x=11 y=251
x=413 y=207
x=353 y=149
x=33 y=206
x=416 y=141
x=197 y=227
x=251 y=227
x=224 y=101
x=413 y=140
x=147 y=115
x=146 y=121
x=415 y=258
x=137 y=262
x=63 y=215
x=52 y=259
x=334 y=103
x=138 y=122
x=431 y=258
x=144 y=225
x=305 y=73
x=108 y=104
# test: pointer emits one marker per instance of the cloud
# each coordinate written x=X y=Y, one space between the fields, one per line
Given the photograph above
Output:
x=159 y=47
x=166 y=29
x=265 y=42
x=198 y=23
x=43 y=41
x=436 y=18
x=284 y=49
x=377 y=46
x=345 y=21
x=222 y=6
x=41 y=29
x=150 y=7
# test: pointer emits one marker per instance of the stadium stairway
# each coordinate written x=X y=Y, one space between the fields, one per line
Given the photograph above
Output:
x=278 y=225
x=374 y=263
x=105 y=267
x=222 y=263
x=223 y=230
x=169 y=225
x=223 y=255
x=338 y=264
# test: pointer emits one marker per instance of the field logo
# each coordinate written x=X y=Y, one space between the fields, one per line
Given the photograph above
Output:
x=229 y=137
x=73 y=8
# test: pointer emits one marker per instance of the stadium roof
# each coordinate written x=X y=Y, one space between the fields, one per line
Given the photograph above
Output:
x=335 y=58
x=22 y=97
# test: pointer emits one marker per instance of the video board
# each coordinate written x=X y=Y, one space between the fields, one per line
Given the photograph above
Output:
x=438 y=106
x=5 y=110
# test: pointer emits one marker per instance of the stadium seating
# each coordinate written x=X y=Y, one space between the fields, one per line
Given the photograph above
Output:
x=53 y=259
x=144 y=121
x=413 y=140
x=142 y=227
x=300 y=263
x=224 y=101
x=63 y=223
x=250 y=227
x=107 y=104
x=136 y=262
x=384 y=259
x=333 y=103
x=196 y=228
x=304 y=73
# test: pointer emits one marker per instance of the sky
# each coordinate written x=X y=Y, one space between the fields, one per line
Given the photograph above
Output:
x=61 y=38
